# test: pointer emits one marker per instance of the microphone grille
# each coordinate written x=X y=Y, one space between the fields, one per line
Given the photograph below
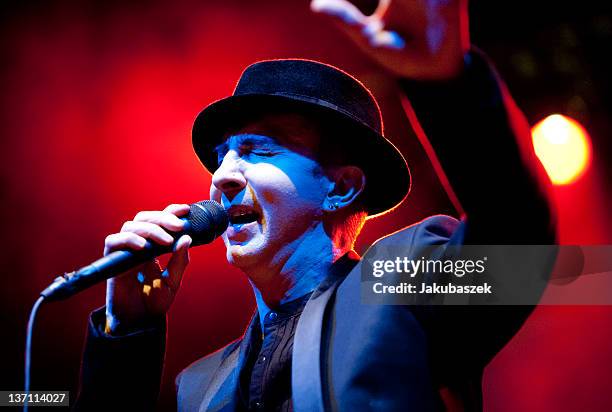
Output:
x=208 y=220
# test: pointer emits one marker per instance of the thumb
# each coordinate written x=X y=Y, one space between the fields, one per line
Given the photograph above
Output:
x=177 y=263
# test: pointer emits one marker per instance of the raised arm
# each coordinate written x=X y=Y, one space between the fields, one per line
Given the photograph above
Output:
x=480 y=145
x=461 y=111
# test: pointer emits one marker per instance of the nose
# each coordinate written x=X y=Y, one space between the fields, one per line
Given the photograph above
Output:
x=228 y=178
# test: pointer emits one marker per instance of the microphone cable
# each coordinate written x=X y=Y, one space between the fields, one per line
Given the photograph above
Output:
x=28 y=350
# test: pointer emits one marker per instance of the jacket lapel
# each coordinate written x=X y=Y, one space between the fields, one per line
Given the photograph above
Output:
x=306 y=386
x=222 y=391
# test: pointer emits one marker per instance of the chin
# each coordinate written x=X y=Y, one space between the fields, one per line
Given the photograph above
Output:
x=242 y=256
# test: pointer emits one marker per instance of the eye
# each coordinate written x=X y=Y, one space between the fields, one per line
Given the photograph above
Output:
x=263 y=152
x=256 y=149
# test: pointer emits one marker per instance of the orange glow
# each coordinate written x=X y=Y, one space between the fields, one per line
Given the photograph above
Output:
x=563 y=147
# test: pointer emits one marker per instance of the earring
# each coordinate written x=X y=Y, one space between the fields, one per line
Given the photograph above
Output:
x=333 y=206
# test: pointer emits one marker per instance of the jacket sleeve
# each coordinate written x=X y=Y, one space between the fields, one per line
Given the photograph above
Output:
x=482 y=141
x=483 y=144
x=121 y=372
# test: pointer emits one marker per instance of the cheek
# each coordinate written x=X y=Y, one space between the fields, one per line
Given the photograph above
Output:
x=269 y=197
x=294 y=183
x=290 y=197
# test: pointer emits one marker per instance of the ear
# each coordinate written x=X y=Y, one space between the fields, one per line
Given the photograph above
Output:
x=348 y=182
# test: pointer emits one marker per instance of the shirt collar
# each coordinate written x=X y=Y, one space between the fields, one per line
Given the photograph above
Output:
x=339 y=269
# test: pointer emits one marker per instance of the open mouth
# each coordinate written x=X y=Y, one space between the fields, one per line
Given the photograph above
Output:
x=240 y=215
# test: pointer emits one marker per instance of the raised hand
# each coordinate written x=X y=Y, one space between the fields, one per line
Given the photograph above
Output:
x=417 y=39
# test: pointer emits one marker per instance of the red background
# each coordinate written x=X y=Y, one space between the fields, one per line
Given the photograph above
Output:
x=97 y=103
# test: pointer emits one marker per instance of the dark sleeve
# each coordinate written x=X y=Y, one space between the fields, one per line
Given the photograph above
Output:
x=121 y=372
x=483 y=143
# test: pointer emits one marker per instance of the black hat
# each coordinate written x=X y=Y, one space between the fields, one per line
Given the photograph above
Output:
x=318 y=89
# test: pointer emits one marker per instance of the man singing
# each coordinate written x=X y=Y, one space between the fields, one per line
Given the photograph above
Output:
x=299 y=160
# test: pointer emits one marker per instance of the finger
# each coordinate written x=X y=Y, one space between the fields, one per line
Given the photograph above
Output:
x=357 y=26
x=149 y=271
x=387 y=39
x=343 y=10
x=177 y=263
x=164 y=219
x=123 y=240
x=177 y=209
x=150 y=279
x=373 y=30
x=149 y=231
x=381 y=9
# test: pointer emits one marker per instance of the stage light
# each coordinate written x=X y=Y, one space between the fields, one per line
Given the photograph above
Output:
x=563 y=146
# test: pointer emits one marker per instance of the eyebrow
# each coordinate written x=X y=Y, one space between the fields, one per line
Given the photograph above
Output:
x=241 y=139
x=246 y=138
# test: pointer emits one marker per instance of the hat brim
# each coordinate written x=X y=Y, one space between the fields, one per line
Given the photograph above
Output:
x=387 y=174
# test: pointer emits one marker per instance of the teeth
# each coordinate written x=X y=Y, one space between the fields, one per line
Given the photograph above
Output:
x=234 y=215
x=242 y=215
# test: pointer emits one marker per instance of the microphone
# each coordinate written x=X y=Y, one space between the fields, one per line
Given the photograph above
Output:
x=205 y=221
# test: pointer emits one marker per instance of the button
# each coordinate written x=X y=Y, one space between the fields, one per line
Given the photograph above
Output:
x=258 y=405
x=263 y=359
x=272 y=315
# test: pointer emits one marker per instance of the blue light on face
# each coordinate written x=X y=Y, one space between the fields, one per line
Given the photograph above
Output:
x=251 y=147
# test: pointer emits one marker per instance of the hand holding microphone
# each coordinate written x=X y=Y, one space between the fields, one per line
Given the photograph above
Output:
x=145 y=290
